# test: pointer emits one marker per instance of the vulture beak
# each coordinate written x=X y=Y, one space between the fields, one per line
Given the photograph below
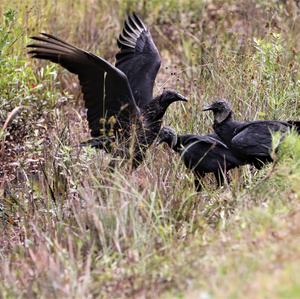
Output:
x=207 y=108
x=181 y=98
x=159 y=141
x=174 y=141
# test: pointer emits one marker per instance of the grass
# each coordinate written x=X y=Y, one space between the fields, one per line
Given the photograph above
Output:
x=70 y=229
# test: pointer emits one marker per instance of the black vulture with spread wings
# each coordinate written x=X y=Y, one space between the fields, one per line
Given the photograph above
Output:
x=119 y=99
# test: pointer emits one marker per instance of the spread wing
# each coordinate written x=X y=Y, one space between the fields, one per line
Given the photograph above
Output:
x=255 y=138
x=138 y=58
x=106 y=90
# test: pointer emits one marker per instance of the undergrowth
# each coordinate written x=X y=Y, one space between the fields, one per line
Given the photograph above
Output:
x=72 y=229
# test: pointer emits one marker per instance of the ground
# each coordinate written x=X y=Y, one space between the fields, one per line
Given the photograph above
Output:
x=72 y=229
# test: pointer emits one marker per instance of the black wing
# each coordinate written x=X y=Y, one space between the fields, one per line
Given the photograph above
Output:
x=207 y=153
x=210 y=139
x=255 y=138
x=105 y=88
x=138 y=58
x=295 y=124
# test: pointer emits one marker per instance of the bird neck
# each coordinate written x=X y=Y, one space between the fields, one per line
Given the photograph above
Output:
x=222 y=117
x=226 y=129
x=154 y=112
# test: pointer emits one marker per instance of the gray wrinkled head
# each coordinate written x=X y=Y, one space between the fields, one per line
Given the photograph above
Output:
x=168 y=135
x=221 y=109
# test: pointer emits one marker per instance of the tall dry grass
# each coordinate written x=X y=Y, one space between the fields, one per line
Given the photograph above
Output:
x=71 y=229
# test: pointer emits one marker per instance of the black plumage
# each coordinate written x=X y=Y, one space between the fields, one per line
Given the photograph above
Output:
x=201 y=154
x=138 y=58
x=295 y=124
x=251 y=141
x=118 y=98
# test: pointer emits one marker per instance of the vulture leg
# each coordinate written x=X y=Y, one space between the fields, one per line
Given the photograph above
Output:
x=259 y=163
x=197 y=181
x=102 y=142
x=219 y=178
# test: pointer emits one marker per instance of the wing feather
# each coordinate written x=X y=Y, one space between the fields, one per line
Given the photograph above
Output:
x=255 y=138
x=102 y=99
x=138 y=58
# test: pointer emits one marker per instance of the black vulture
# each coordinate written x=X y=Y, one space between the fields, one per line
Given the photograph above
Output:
x=202 y=154
x=251 y=141
x=120 y=106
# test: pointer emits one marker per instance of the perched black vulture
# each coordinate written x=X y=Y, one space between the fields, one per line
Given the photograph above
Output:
x=251 y=141
x=201 y=154
x=119 y=101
